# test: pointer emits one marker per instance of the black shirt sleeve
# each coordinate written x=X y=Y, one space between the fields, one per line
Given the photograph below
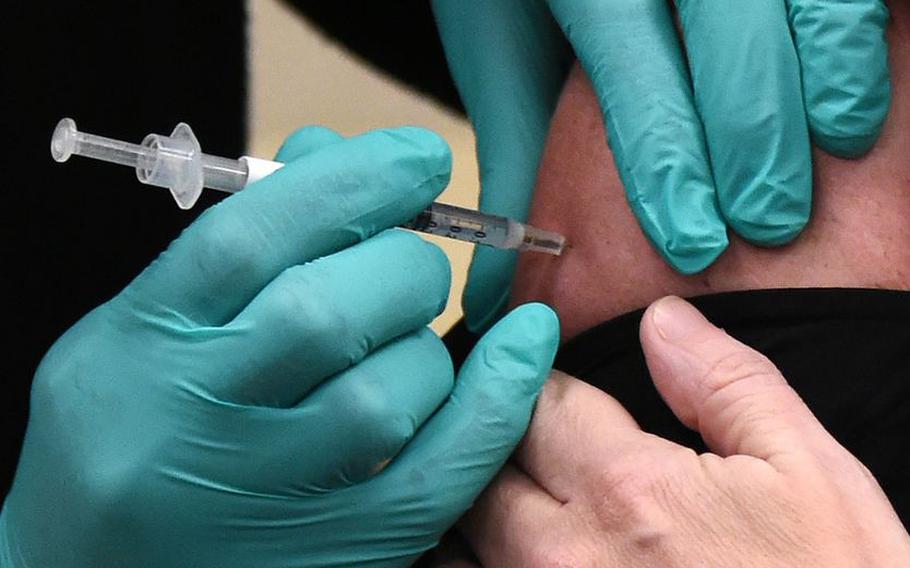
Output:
x=845 y=351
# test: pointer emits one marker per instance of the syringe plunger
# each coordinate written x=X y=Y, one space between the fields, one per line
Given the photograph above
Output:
x=175 y=162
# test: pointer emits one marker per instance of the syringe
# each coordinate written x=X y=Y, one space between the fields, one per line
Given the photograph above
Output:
x=178 y=163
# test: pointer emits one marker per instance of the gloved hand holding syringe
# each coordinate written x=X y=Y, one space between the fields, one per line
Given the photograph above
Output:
x=178 y=163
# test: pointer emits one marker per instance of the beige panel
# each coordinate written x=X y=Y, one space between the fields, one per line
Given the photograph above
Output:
x=298 y=77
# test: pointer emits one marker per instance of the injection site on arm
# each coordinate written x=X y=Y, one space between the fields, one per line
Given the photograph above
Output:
x=176 y=162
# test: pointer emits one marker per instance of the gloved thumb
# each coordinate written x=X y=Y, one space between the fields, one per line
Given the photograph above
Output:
x=731 y=394
x=459 y=450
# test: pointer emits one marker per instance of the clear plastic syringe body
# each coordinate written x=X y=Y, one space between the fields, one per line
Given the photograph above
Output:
x=68 y=141
x=175 y=162
x=480 y=228
x=178 y=163
x=224 y=174
x=219 y=173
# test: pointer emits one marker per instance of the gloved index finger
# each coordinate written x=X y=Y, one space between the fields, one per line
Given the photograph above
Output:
x=509 y=60
x=305 y=141
x=632 y=54
x=747 y=89
x=322 y=203
x=844 y=57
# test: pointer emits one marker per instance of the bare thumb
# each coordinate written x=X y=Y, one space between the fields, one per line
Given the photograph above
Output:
x=731 y=394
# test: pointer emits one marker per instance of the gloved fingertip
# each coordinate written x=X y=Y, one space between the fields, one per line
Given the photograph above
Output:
x=427 y=144
x=690 y=257
x=771 y=210
x=843 y=53
x=849 y=147
x=766 y=230
x=519 y=350
x=539 y=325
x=306 y=140
x=848 y=126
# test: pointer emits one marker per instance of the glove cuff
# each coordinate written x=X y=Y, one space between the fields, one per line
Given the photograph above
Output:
x=8 y=557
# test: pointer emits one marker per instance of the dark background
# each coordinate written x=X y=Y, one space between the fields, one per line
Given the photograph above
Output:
x=74 y=234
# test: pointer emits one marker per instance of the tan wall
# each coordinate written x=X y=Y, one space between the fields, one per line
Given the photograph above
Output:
x=298 y=77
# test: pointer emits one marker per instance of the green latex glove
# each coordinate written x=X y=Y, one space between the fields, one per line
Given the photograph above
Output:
x=725 y=146
x=267 y=394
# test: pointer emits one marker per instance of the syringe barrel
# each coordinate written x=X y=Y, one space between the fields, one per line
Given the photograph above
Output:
x=224 y=174
x=464 y=225
x=483 y=229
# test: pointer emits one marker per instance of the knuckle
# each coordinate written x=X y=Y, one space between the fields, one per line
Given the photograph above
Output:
x=418 y=155
x=371 y=413
x=105 y=486
x=224 y=246
x=424 y=257
x=424 y=144
x=307 y=315
x=548 y=554
x=435 y=361
x=735 y=386
x=631 y=495
x=112 y=490
x=739 y=366
x=424 y=267
x=297 y=307
x=305 y=139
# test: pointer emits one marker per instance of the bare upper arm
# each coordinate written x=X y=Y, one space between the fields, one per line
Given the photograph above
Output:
x=859 y=235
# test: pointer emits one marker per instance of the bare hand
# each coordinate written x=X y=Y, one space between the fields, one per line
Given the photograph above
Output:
x=590 y=488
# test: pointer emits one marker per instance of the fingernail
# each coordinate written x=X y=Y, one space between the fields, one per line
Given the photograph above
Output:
x=676 y=319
